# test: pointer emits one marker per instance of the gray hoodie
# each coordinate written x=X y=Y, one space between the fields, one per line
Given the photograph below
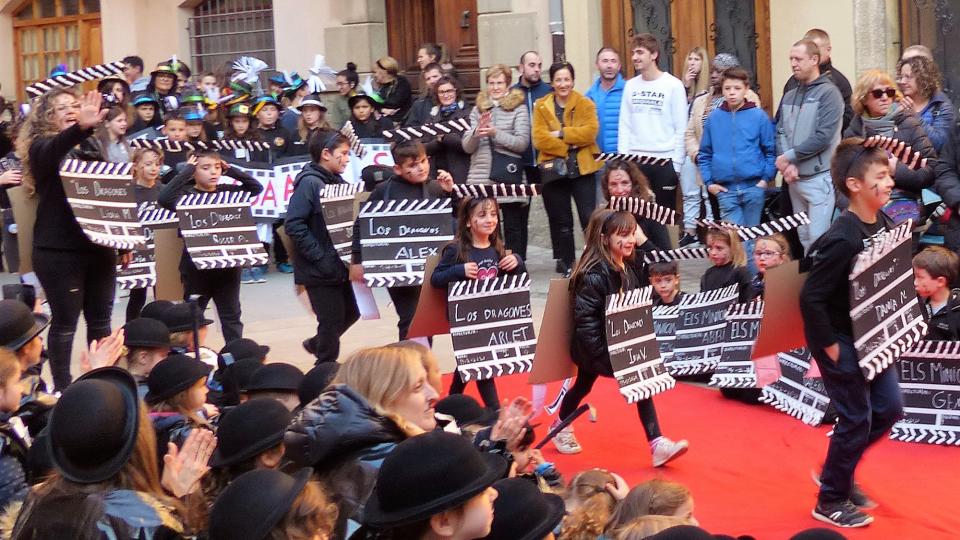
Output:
x=808 y=125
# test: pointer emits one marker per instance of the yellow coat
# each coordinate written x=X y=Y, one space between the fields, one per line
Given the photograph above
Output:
x=580 y=131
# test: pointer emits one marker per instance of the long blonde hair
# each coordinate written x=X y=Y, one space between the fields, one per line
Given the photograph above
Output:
x=383 y=375
x=702 y=83
x=39 y=123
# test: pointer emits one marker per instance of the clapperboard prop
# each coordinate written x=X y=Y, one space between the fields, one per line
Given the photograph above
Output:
x=886 y=314
x=177 y=146
x=396 y=237
x=632 y=344
x=930 y=386
x=736 y=369
x=142 y=270
x=427 y=130
x=665 y=328
x=491 y=326
x=802 y=397
x=644 y=209
x=355 y=145
x=635 y=158
x=102 y=198
x=67 y=80
x=682 y=254
x=218 y=230
x=701 y=331
x=499 y=191
x=780 y=225
x=337 y=203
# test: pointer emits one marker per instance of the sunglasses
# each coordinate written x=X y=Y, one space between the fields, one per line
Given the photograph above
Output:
x=889 y=92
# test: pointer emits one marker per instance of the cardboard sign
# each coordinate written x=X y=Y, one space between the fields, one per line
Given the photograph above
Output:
x=458 y=125
x=218 y=230
x=802 y=397
x=782 y=325
x=396 y=237
x=277 y=180
x=552 y=361
x=373 y=154
x=25 y=215
x=491 y=325
x=168 y=252
x=336 y=200
x=665 y=328
x=430 y=318
x=142 y=270
x=701 y=331
x=736 y=369
x=887 y=317
x=102 y=199
x=930 y=385
x=632 y=344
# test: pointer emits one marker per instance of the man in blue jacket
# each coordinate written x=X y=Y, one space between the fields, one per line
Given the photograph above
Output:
x=607 y=92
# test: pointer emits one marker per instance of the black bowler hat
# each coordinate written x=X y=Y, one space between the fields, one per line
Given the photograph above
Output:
x=252 y=505
x=18 y=325
x=465 y=410
x=316 y=381
x=146 y=332
x=155 y=309
x=523 y=512
x=683 y=532
x=172 y=375
x=278 y=377
x=427 y=474
x=243 y=348
x=179 y=319
x=249 y=430
x=93 y=427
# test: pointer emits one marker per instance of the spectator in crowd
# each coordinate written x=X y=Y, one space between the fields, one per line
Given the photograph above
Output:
x=420 y=110
x=313 y=117
x=935 y=270
x=393 y=88
x=366 y=116
x=347 y=82
x=921 y=85
x=947 y=185
x=653 y=497
x=607 y=93
x=620 y=178
x=429 y=53
x=653 y=117
x=590 y=499
x=916 y=50
x=808 y=130
x=133 y=73
x=533 y=87
x=822 y=40
x=446 y=149
x=695 y=73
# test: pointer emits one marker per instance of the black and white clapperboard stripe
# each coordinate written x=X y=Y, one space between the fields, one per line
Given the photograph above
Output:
x=682 y=254
x=801 y=397
x=491 y=326
x=337 y=203
x=142 y=270
x=499 y=191
x=701 y=328
x=427 y=130
x=632 y=344
x=887 y=317
x=355 y=145
x=396 y=237
x=665 y=328
x=218 y=230
x=67 y=80
x=736 y=369
x=764 y=229
x=644 y=209
x=102 y=198
x=179 y=146
x=635 y=158
x=930 y=386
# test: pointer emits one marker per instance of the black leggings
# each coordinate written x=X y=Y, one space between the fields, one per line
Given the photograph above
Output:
x=486 y=387
x=138 y=299
x=75 y=282
x=581 y=387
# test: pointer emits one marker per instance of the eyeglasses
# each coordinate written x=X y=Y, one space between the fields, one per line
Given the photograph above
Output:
x=447 y=92
x=767 y=254
x=889 y=92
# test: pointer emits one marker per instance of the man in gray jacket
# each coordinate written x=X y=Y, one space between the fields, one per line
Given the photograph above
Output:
x=808 y=131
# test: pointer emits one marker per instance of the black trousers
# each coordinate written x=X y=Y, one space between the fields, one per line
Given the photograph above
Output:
x=336 y=310
x=280 y=255
x=581 y=387
x=663 y=181
x=486 y=387
x=405 y=301
x=556 y=201
x=75 y=282
x=222 y=285
x=516 y=218
x=138 y=299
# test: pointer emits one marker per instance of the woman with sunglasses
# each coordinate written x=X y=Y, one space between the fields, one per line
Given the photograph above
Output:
x=877 y=111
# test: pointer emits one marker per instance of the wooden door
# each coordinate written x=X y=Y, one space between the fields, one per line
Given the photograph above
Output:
x=933 y=23
x=456 y=29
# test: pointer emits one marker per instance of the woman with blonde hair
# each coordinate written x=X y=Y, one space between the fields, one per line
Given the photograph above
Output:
x=591 y=498
x=379 y=397
x=696 y=73
x=393 y=87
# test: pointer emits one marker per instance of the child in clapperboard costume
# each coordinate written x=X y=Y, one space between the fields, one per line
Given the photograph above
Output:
x=729 y=263
x=608 y=266
x=477 y=253
x=866 y=409
x=222 y=285
x=174 y=130
x=768 y=252
x=411 y=181
x=935 y=271
x=665 y=279
x=316 y=264
x=147 y=163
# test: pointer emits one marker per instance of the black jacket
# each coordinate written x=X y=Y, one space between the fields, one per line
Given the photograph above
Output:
x=947 y=185
x=450 y=269
x=397 y=95
x=315 y=261
x=448 y=154
x=944 y=324
x=419 y=112
x=910 y=130
x=13 y=459
x=840 y=81
x=588 y=346
x=718 y=277
x=373 y=128
x=183 y=184
x=279 y=139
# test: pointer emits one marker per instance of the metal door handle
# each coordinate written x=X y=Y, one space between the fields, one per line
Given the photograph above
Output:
x=465 y=19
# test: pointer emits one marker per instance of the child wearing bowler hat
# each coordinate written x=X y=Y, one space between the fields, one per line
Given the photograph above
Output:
x=177 y=394
x=180 y=320
x=14 y=438
x=145 y=343
x=277 y=381
x=236 y=363
x=522 y=512
x=20 y=332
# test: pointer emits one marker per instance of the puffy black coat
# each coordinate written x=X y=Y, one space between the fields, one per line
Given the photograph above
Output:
x=945 y=324
x=315 y=260
x=909 y=129
x=13 y=458
x=947 y=185
x=448 y=154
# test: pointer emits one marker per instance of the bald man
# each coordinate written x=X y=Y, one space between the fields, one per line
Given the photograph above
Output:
x=822 y=39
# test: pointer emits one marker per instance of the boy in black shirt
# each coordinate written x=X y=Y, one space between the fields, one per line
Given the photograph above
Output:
x=866 y=409
x=935 y=270
x=665 y=278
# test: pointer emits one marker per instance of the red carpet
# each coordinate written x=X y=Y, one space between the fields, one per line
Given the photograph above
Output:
x=749 y=467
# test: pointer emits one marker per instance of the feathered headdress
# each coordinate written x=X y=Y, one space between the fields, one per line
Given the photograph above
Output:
x=319 y=68
x=248 y=71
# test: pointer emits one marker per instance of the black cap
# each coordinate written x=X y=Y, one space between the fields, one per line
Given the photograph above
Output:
x=19 y=325
x=277 y=377
x=316 y=381
x=250 y=429
x=155 y=309
x=465 y=410
x=178 y=318
x=146 y=332
x=172 y=375
x=252 y=505
x=243 y=348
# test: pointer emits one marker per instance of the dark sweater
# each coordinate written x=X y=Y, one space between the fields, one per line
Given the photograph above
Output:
x=825 y=297
x=718 y=277
x=145 y=194
x=183 y=184
x=450 y=269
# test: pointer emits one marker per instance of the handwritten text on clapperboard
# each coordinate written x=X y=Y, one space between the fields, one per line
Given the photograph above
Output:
x=396 y=237
x=632 y=345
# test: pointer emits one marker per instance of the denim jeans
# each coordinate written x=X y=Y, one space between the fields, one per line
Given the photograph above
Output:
x=692 y=189
x=742 y=203
x=815 y=196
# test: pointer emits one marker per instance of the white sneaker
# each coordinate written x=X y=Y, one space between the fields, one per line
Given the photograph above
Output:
x=665 y=451
x=566 y=442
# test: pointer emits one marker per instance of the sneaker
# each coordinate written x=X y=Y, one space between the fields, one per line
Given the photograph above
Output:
x=563 y=268
x=688 y=241
x=566 y=442
x=246 y=276
x=285 y=268
x=665 y=451
x=857 y=496
x=257 y=272
x=842 y=514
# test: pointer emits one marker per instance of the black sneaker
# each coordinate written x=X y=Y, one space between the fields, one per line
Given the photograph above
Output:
x=842 y=514
x=688 y=241
x=564 y=269
x=857 y=496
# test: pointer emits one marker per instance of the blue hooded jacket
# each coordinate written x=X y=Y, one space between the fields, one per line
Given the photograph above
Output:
x=608 y=111
x=737 y=145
